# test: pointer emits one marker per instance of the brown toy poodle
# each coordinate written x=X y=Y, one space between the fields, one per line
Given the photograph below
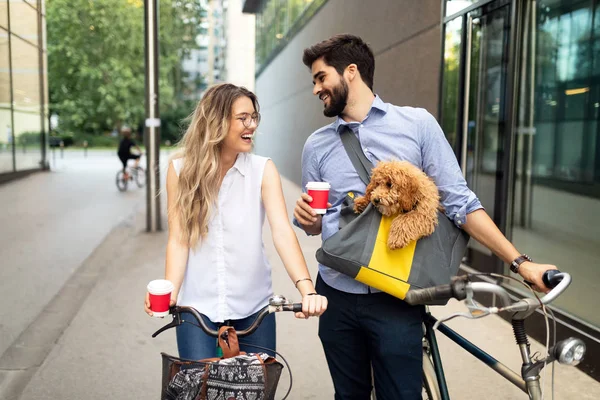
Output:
x=401 y=190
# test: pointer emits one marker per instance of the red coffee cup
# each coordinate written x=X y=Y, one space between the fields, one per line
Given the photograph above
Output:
x=319 y=191
x=160 y=297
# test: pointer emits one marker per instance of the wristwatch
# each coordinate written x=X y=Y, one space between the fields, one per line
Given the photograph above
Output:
x=516 y=263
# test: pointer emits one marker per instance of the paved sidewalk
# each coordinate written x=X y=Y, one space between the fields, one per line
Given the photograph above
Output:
x=106 y=351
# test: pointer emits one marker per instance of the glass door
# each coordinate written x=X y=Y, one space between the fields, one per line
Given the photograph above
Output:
x=486 y=125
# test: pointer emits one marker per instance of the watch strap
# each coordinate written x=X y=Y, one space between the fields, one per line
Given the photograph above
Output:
x=516 y=263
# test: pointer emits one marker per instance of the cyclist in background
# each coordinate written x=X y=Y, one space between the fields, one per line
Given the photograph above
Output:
x=124 y=151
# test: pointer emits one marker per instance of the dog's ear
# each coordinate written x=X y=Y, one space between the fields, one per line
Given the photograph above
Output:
x=369 y=189
x=426 y=187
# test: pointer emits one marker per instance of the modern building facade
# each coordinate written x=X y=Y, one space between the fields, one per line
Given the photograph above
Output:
x=240 y=50
x=515 y=84
x=226 y=31
x=23 y=87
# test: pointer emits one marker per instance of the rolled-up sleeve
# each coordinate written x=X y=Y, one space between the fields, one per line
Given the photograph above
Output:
x=310 y=169
x=439 y=163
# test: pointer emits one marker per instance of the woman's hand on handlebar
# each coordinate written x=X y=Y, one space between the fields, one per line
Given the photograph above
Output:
x=533 y=272
x=147 y=304
x=313 y=305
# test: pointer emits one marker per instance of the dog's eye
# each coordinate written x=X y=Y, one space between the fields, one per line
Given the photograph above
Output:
x=389 y=184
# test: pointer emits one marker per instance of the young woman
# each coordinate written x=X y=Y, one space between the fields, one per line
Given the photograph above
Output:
x=218 y=193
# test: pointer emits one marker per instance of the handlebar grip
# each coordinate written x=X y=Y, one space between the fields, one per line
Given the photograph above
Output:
x=550 y=279
x=293 y=307
x=428 y=295
x=438 y=294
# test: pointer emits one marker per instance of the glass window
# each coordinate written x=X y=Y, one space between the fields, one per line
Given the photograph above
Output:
x=4 y=14
x=44 y=34
x=557 y=208
x=296 y=8
x=26 y=82
x=28 y=151
x=6 y=158
x=564 y=148
x=450 y=88
x=4 y=71
x=454 y=6
x=278 y=22
x=24 y=21
x=26 y=100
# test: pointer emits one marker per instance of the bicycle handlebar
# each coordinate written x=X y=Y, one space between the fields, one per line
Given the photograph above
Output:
x=276 y=304
x=459 y=286
x=456 y=289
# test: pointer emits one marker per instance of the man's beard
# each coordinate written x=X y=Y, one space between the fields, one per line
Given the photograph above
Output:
x=337 y=100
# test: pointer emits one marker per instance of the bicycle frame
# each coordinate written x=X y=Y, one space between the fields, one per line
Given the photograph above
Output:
x=481 y=355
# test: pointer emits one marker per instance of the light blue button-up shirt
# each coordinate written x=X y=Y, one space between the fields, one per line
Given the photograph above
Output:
x=387 y=133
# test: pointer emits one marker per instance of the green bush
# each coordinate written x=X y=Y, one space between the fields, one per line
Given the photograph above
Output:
x=173 y=122
x=28 y=138
x=55 y=139
x=96 y=140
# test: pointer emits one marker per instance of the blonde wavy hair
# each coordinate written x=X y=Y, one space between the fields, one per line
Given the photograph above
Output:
x=200 y=146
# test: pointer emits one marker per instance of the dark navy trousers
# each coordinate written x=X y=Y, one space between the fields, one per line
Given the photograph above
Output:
x=360 y=330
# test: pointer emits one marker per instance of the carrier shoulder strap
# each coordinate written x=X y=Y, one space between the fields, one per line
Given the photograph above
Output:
x=361 y=163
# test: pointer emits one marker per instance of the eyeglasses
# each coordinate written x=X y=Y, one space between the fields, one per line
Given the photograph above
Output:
x=248 y=118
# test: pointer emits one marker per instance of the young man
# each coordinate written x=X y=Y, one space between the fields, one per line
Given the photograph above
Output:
x=124 y=151
x=362 y=326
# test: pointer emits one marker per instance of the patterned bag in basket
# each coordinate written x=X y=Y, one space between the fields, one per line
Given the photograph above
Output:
x=236 y=376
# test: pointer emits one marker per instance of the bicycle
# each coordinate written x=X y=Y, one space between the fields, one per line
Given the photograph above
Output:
x=135 y=173
x=271 y=370
x=569 y=351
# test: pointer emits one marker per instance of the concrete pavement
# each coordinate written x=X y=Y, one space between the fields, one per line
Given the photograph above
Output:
x=98 y=338
x=107 y=352
x=52 y=221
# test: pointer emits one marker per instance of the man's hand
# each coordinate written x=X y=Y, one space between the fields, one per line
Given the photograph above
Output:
x=306 y=215
x=533 y=272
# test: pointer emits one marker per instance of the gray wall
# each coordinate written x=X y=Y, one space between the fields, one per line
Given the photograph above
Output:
x=405 y=37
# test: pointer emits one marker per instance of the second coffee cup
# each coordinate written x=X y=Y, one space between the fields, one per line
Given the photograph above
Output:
x=160 y=296
x=319 y=191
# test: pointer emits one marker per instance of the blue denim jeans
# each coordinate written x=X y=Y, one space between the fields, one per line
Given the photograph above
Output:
x=194 y=344
x=363 y=330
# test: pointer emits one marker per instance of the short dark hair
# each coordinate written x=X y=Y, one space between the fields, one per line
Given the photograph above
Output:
x=339 y=51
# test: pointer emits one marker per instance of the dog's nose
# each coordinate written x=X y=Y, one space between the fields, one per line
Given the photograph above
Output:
x=376 y=200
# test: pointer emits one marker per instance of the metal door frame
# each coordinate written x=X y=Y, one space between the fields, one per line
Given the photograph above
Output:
x=504 y=188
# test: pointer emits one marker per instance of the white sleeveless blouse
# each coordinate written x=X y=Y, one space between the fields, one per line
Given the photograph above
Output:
x=228 y=275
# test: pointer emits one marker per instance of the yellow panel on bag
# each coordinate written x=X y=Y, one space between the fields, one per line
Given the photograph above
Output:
x=388 y=270
x=382 y=282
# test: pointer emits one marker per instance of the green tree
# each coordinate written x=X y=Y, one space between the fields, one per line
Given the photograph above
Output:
x=96 y=59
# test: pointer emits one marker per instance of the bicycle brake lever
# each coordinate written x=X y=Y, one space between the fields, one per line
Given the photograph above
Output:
x=474 y=308
x=176 y=322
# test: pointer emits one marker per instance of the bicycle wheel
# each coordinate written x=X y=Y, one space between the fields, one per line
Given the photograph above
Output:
x=431 y=390
x=121 y=181
x=140 y=176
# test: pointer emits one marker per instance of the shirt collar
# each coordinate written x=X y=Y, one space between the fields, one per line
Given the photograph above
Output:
x=240 y=164
x=377 y=104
